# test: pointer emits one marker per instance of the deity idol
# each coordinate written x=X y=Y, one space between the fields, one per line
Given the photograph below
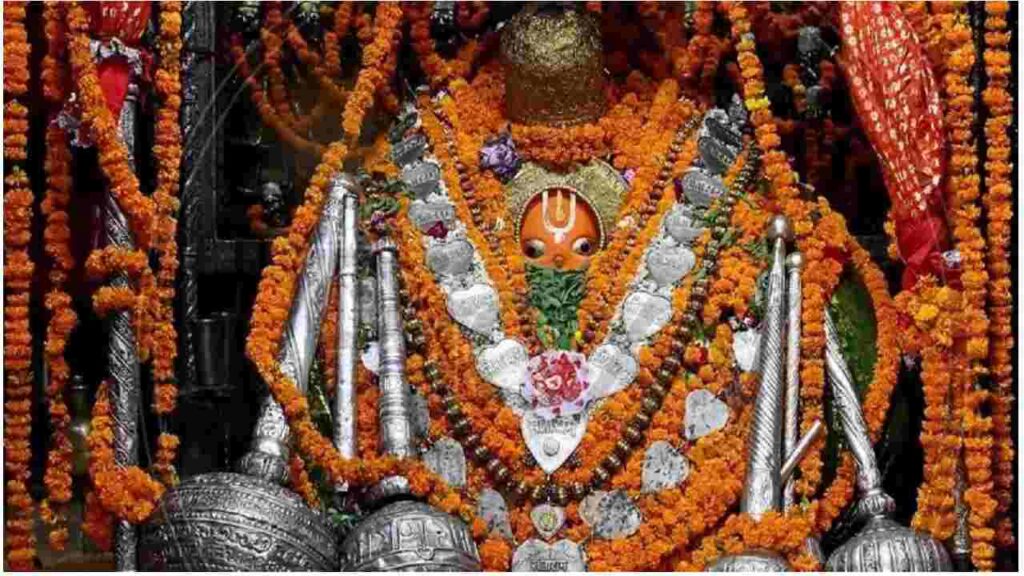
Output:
x=587 y=315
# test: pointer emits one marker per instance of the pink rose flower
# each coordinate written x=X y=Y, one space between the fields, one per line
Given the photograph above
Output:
x=557 y=383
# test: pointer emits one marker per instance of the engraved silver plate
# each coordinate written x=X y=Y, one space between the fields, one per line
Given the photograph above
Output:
x=717 y=156
x=426 y=214
x=610 y=369
x=409 y=150
x=704 y=414
x=367 y=301
x=701 y=188
x=475 y=308
x=422 y=178
x=682 y=225
x=668 y=264
x=745 y=345
x=491 y=508
x=450 y=258
x=643 y=315
x=719 y=126
x=504 y=364
x=664 y=467
x=552 y=441
x=617 y=516
x=446 y=459
x=547 y=519
x=538 y=556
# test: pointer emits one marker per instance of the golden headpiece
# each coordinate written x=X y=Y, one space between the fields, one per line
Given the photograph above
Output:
x=554 y=72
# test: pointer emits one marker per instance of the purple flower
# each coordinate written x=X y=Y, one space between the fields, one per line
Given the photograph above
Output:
x=379 y=222
x=628 y=175
x=499 y=154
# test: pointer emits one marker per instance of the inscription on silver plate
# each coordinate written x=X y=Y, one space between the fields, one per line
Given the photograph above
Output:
x=682 y=225
x=643 y=315
x=409 y=150
x=617 y=516
x=422 y=178
x=539 y=556
x=491 y=508
x=547 y=519
x=446 y=459
x=591 y=505
x=664 y=467
x=425 y=214
x=475 y=308
x=668 y=264
x=745 y=345
x=504 y=364
x=701 y=188
x=704 y=414
x=552 y=441
x=450 y=258
x=610 y=369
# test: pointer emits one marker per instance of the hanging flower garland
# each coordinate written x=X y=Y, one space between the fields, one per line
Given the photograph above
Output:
x=19 y=538
x=998 y=202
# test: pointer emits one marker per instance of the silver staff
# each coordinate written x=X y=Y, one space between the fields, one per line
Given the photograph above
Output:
x=794 y=264
x=883 y=545
x=268 y=457
x=393 y=406
x=348 y=321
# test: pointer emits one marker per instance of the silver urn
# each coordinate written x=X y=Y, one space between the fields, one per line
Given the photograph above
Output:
x=410 y=536
x=234 y=522
x=885 y=546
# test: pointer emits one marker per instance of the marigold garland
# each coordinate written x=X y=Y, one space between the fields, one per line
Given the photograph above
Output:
x=19 y=535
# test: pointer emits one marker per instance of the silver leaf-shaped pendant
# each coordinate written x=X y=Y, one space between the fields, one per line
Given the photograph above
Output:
x=643 y=315
x=409 y=150
x=664 y=467
x=426 y=214
x=475 y=308
x=552 y=441
x=539 y=556
x=704 y=414
x=720 y=127
x=591 y=505
x=491 y=508
x=547 y=519
x=716 y=155
x=610 y=369
x=682 y=225
x=668 y=264
x=745 y=346
x=450 y=258
x=701 y=188
x=420 y=414
x=617 y=516
x=422 y=178
x=504 y=365
x=446 y=459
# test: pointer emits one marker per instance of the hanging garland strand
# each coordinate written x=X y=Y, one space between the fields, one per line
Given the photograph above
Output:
x=19 y=538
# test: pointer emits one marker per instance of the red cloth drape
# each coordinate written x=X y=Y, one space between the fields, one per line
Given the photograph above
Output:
x=125 y=21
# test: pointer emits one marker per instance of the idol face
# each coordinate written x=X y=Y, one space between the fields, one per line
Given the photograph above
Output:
x=559 y=230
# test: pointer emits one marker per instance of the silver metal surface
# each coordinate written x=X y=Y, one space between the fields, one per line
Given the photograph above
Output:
x=268 y=456
x=475 y=307
x=704 y=414
x=664 y=467
x=644 y=314
x=668 y=264
x=450 y=257
x=234 y=522
x=491 y=508
x=348 y=324
x=883 y=545
x=617 y=516
x=960 y=544
x=504 y=364
x=410 y=536
x=610 y=369
x=552 y=441
x=122 y=353
x=791 y=425
x=447 y=459
x=538 y=556
x=393 y=406
x=701 y=188
x=427 y=214
x=761 y=487
x=803 y=445
x=750 y=561
x=683 y=225
x=422 y=178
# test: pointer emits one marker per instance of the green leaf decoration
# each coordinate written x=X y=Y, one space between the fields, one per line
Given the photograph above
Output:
x=556 y=294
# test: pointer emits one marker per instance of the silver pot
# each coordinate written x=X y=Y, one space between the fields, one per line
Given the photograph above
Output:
x=410 y=536
x=885 y=546
x=233 y=522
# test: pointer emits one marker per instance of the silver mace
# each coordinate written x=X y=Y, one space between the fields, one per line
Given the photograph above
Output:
x=248 y=521
x=426 y=538
x=882 y=545
x=766 y=471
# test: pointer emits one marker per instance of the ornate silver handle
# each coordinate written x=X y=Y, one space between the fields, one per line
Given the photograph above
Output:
x=761 y=487
x=794 y=264
x=268 y=455
x=348 y=320
x=393 y=407
x=874 y=501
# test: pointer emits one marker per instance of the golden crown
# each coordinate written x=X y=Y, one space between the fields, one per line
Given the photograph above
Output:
x=554 y=71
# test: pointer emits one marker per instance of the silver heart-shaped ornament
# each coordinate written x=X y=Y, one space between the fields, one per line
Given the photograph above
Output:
x=552 y=441
x=450 y=258
x=644 y=314
x=539 y=556
x=475 y=308
x=610 y=369
x=504 y=365
x=668 y=264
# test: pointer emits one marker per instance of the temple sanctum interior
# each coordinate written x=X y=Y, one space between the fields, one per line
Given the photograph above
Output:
x=510 y=286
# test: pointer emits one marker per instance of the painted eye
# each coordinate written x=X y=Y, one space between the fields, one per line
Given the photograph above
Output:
x=583 y=246
x=534 y=248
